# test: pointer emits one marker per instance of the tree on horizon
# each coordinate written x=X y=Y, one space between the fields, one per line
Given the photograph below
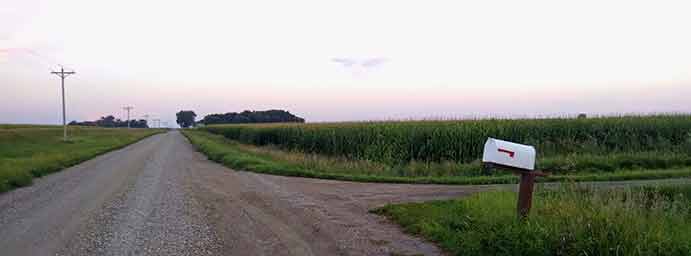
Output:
x=111 y=122
x=247 y=116
x=185 y=118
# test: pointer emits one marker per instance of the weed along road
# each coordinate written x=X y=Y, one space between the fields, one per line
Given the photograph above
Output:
x=160 y=197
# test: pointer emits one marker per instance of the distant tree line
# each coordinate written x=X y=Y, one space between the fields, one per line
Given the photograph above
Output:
x=110 y=121
x=268 y=116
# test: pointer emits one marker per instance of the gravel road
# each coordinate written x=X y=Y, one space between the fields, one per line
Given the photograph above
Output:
x=160 y=197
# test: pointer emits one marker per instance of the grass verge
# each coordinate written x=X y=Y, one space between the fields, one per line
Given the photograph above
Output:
x=273 y=161
x=27 y=151
x=570 y=221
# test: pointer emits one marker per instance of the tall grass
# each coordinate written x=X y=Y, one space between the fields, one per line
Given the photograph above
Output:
x=662 y=141
x=571 y=221
x=33 y=151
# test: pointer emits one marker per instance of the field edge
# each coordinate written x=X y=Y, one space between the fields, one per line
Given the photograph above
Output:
x=53 y=169
x=222 y=151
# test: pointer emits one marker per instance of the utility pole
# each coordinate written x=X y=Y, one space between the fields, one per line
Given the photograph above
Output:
x=128 y=108
x=62 y=74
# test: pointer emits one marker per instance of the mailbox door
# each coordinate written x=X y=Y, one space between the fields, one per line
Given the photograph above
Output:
x=509 y=154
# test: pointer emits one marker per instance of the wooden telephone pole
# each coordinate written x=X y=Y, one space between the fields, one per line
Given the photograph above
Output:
x=128 y=108
x=62 y=74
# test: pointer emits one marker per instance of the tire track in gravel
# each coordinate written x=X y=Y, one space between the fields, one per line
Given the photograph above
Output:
x=153 y=216
x=127 y=202
x=302 y=216
x=161 y=197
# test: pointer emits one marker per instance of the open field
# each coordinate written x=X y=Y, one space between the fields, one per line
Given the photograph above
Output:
x=18 y=126
x=274 y=161
x=564 y=146
x=568 y=221
x=32 y=151
x=461 y=141
x=448 y=152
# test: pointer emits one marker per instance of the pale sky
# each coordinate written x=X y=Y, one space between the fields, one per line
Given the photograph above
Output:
x=443 y=59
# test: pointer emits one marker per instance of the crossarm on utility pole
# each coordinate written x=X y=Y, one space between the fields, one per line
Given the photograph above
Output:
x=128 y=108
x=62 y=74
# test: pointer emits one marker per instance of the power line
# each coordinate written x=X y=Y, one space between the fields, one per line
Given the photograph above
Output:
x=62 y=74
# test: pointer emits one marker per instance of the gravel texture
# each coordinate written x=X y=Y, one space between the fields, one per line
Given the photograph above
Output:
x=160 y=197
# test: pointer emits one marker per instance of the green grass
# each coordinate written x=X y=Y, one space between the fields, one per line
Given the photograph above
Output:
x=275 y=161
x=569 y=221
x=33 y=151
x=564 y=146
x=20 y=126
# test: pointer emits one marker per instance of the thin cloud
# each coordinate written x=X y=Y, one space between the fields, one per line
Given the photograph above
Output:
x=358 y=67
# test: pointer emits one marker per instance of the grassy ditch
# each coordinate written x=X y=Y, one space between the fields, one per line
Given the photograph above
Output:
x=33 y=151
x=570 y=221
x=275 y=161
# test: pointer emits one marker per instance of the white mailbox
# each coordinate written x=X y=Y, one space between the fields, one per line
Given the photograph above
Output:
x=509 y=154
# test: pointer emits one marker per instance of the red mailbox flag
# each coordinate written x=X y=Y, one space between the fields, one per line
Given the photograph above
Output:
x=511 y=153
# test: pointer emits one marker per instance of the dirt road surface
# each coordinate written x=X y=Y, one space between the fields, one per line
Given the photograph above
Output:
x=160 y=197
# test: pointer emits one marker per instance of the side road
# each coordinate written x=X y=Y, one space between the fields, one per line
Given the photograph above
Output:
x=160 y=197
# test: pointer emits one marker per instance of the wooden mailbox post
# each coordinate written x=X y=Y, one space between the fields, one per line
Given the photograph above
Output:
x=517 y=158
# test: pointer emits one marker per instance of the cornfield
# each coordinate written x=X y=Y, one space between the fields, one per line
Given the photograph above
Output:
x=462 y=141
